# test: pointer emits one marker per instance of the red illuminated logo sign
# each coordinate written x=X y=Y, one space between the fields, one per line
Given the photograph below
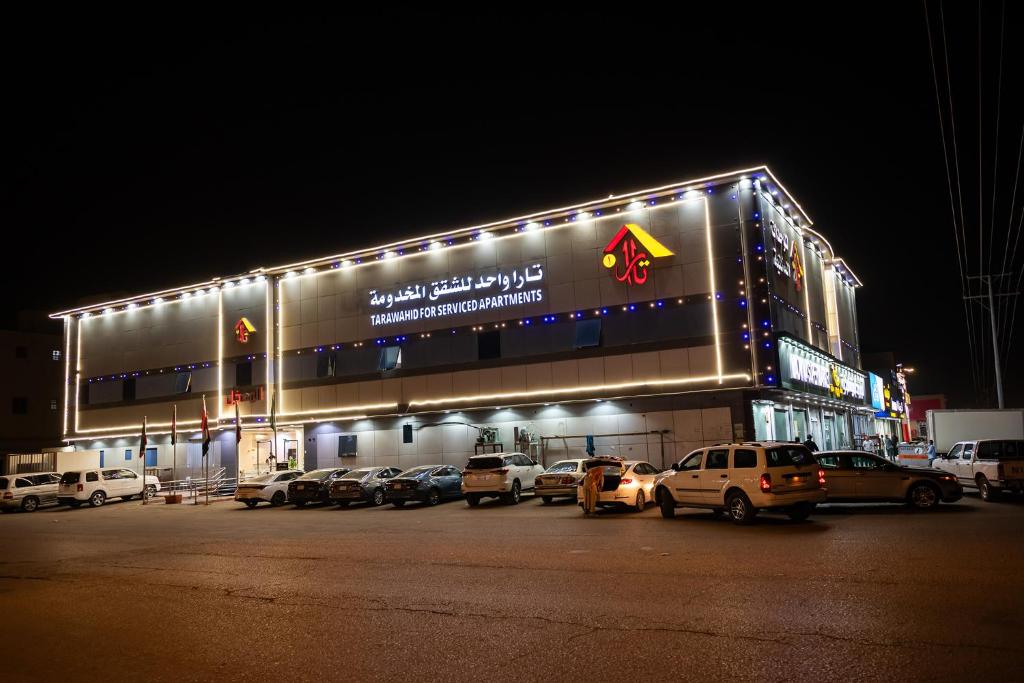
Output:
x=243 y=328
x=629 y=254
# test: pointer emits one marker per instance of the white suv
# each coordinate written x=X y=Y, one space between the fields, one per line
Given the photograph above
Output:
x=501 y=475
x=97 y=486
x=744 y=479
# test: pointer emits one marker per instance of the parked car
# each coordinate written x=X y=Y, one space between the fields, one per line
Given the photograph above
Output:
x=97 y=486
x=860 y=477
x=744 y=479
x=501 y=475
x=269 y=488
x=28 y=492
x=314 y=487
x=627 y=483
x=559 y=480
x=429 y=484
x=365 y=484
x=989 y=465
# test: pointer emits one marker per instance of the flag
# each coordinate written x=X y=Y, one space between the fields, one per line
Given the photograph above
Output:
x=142 y=443
x=273 y=411
x=205 y=429
x=174 y=426
x=238 y=426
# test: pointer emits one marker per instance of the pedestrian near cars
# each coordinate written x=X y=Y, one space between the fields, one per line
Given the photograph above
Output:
x=931 y=451
x=810 y=443
x=591 y=486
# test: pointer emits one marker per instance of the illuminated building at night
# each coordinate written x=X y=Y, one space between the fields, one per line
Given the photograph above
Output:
x=656 y=321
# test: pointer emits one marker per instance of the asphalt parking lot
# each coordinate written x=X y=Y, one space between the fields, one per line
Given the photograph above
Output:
x=528 y=592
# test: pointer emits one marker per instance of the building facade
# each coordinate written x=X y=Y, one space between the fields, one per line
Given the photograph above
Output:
x=31 y=395
x=655 y=322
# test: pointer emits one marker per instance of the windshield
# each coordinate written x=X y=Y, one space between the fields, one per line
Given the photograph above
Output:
x=356 y=474
x=70 y=478
x=318 y=475
x=788 y=456
x=489 y=463
x=415 y=472
x=564 y=466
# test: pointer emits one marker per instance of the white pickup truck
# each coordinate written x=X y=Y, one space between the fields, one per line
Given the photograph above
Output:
x=990 y=465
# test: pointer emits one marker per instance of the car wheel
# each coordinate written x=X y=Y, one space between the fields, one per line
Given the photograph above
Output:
x=433 y=497
x=473 y=500
x=278 y=499
x=740 y=509
x=30 y=504
x=800 y=512
x=512 y=497
x=378 y=497
x=923 y=496
x=546 y=500
x=149 y=492
x=988 y=494
x=97 y=499
x=667 y=505
x=640 y=502
x=251 y=504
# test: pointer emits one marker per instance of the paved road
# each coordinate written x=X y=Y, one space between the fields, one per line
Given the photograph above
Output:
x=510 y=593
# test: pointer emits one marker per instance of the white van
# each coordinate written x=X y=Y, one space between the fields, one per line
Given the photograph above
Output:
x=96 y=486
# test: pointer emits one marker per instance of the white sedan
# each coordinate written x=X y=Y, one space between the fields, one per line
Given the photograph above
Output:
x=631 y=484
x=269 y=488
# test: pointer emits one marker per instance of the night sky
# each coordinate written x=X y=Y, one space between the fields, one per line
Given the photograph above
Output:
x=145 y=151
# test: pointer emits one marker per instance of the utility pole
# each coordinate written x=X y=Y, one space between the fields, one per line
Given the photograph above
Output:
x=990 y=297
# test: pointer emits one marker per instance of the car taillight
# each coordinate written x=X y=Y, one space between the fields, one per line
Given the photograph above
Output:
x=568 y=480
x=765 y=482
x=625 y=481
x=821 y=478
x=503 y=470
x=8 y=495
x=81 y=487
x=537 y=482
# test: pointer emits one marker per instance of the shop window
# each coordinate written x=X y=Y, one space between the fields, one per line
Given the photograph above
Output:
x=326 y=363
x=588 y=333
x=243 y=374
x=183 y=383
x=19 y=405
x=390 y=358
x=128 y=389
x=488 y=345
x=21 y=352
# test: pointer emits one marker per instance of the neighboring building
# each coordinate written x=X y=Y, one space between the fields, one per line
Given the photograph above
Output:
x=919 y=413
x=658 y=321
x=32 y=364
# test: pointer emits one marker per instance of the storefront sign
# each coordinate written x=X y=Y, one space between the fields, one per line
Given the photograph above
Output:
x=786 y=255
x=234 y=396
x=514 y=287
x=806 y=369
x=886 y=398
x=638 y=248
x=244 y=328
x=877 y=391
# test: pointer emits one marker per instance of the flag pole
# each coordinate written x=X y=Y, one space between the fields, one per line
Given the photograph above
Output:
x=142 y=457
x=174 y=443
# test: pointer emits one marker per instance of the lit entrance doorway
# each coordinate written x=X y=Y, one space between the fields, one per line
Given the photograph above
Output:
x=258 y=454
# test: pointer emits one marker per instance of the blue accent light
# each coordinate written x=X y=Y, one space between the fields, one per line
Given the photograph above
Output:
x=746 y=336
x=743 y=303
x=718 y=295
x=604 y=311
x=767 y=345
x=765 y=323
x=757 y=214
x=632 y=307
x=771 y=379
x=759 y=248
x=660 y=304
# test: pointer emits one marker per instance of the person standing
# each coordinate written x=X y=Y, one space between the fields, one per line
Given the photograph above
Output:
x=592 y=481
x=888 y=447
x=931 y=452
x=810 y=443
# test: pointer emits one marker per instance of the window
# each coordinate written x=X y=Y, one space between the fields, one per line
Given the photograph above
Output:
x=19 y=405
x=127 y=474
x=390 y=358
x=347 y=445
x=744 y=458
x=995 y=450
x=866 y=462
x=326 y=363
x=955 y=451
x=829 y=462
x=718 y=459
x=183 y=383
x=787 y=456
x=102 y=464
x=128 y=454
x=968 y=451
x=128 y=389
x=406 y=433
x=53 y=404
x=691 y=462
x=91 y=476
x=56 y=355
x=151 y=457
x=588 y=333
x=564 y=466
x=243 y=374
x=488 y=345
x=109 y=475
x=21 y=483
x=21 y=352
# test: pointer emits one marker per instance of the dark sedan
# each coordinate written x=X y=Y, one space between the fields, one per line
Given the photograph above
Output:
x=859 y=477
x=430 y=484
x=364 y=485
x=314 y=487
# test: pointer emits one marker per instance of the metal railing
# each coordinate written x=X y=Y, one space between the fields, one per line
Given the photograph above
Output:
x=216 y=486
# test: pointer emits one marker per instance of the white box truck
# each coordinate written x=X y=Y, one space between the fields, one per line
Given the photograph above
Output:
x=949 y=427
